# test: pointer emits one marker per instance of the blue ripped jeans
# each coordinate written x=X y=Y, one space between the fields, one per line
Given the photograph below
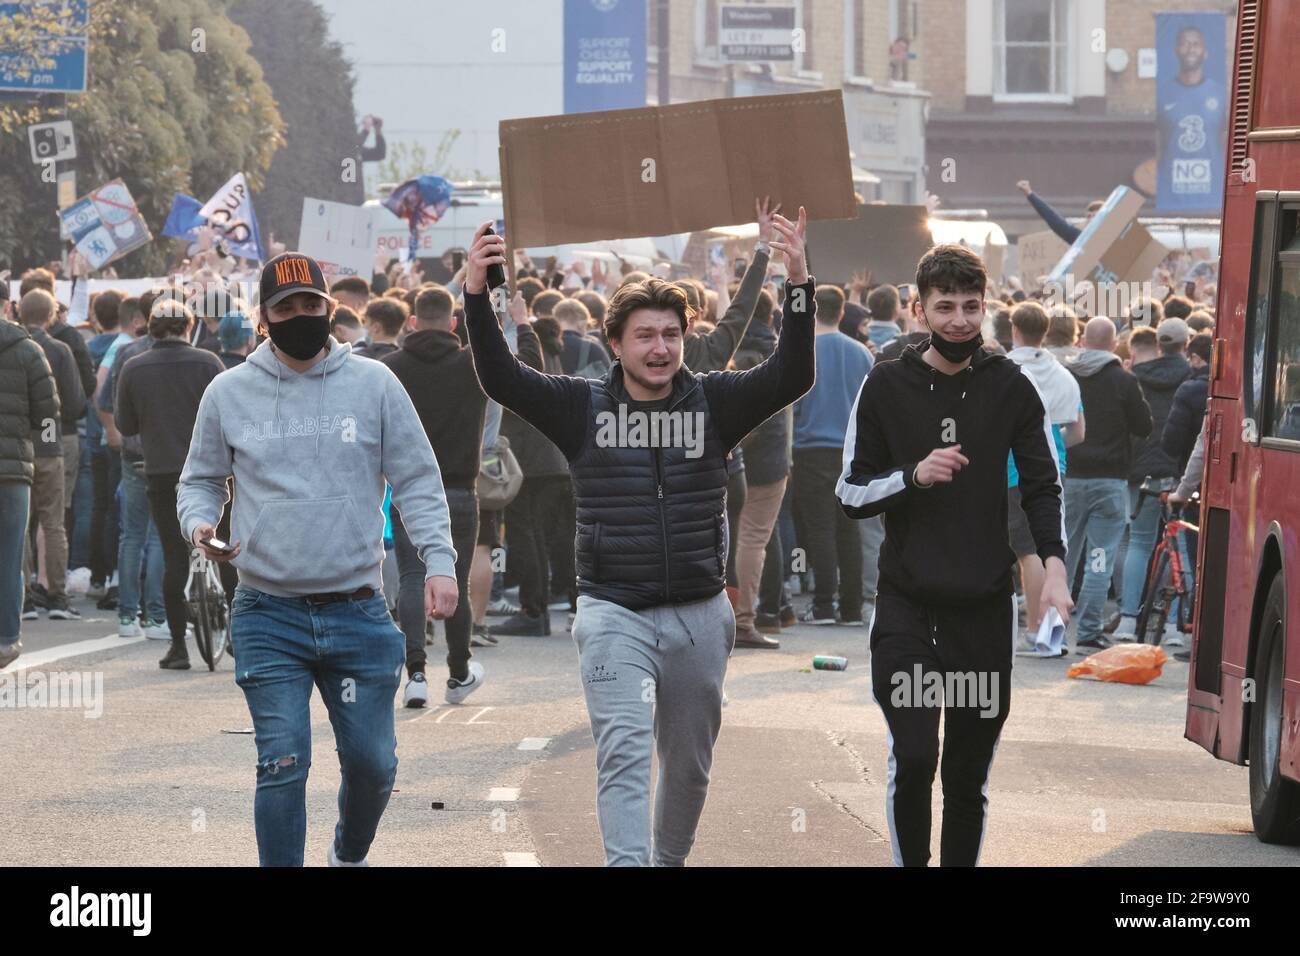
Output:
x=353 y=653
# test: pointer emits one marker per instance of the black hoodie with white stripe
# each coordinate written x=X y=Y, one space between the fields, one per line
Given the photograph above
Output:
x=948 y=543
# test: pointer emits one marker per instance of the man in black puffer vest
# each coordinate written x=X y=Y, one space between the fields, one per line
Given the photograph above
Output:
x=647 y=449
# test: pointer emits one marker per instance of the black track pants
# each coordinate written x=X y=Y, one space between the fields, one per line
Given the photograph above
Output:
x=928 y=658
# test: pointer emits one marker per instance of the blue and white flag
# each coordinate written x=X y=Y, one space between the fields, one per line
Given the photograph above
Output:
x=230 y=213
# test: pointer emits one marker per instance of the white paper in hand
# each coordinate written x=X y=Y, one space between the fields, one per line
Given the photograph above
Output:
x=1049 y=641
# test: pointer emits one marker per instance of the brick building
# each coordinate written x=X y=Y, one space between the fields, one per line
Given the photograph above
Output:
x=843 y=44
x=1078 y=122
x=1044 y=90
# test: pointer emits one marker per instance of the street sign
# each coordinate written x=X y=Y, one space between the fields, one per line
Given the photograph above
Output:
x=50 y=65
x=756 y=33
x=52 y=142
x=66 y=190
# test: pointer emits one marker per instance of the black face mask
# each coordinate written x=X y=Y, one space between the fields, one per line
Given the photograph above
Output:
x=955 y=352
x=301 y=337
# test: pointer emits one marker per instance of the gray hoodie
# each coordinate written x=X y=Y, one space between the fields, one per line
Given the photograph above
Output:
x=310 y=454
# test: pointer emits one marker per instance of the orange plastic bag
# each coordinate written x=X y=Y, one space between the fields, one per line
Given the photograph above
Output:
x=1123 y=664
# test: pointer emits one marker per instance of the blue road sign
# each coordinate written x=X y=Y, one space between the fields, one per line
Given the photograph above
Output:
x=66 y=74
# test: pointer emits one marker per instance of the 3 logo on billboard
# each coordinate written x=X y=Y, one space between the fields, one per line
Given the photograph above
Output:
x=1192 y=137
x=1191 y=176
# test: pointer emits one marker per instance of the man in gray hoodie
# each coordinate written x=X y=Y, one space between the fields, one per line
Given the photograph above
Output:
x=310 y=435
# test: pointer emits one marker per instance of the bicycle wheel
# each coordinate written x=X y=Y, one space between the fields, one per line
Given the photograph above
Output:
x=210 y=624
x=1154 y=609
x=199 y=618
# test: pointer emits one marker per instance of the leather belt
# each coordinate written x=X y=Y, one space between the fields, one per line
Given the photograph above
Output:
x=331 y=597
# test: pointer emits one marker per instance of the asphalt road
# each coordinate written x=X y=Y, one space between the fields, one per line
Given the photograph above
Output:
x=1087 y=773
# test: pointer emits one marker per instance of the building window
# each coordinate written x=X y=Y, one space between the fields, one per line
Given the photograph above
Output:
x=706 y=30
x=804 y=61
x=1031 y=49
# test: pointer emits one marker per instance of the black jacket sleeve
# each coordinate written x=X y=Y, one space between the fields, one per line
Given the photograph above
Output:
x=42 y=395
x=741 y=401
x=556 y=405
x=1183 y=424
x=72 y=396
x=85 y=367
x=1054 y=220
x=1137 y=413
x=874 y=481
x=713 y=350
x=125 y=418
x=1040 y=473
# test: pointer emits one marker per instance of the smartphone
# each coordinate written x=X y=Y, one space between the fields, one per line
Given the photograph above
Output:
x=738 y=268
x=1189 y=289
x=216 y=544
x=496 y=273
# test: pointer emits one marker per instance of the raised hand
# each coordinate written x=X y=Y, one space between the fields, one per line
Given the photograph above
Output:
x=792 y=245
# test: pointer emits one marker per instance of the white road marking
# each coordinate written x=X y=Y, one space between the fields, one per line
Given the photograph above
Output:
x=503 y=794
x=444 y=715
x=52 y=654
x=475 y=718
x=521 y=859
x=534 y=743
x=427 y=712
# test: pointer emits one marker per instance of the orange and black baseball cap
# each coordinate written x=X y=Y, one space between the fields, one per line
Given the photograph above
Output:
x=288 y=273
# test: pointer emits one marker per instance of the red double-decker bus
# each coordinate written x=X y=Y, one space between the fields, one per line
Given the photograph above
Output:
x=1244 y=688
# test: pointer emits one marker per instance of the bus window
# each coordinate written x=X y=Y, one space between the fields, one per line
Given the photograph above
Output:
x=1284 y=402
x=1263 y=252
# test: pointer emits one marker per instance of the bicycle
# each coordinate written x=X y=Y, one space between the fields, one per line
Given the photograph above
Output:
x=206 y=601
x=1166 y=581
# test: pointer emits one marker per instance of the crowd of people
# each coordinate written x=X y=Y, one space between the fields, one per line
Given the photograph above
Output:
x=135 y=429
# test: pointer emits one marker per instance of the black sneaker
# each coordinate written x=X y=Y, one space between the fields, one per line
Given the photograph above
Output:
x=177 y=659
x=818 y=615
x=29 y=609
x=767 y=623
x=40 y=597
x=524 y=625
x=109 y=601
x=481 y=636
x=852 y=619
x=1094 y=645
x=61 y=611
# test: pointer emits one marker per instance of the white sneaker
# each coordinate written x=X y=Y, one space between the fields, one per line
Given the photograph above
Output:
x=1172 y=637
x=335 y=861
x=417 y=691
x=128 y=627
x=1128 y=627
x=156 y=631
x=458 y=690
x=501 y=607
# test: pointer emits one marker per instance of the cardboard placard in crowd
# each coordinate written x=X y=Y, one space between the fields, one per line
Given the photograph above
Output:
x=339 y=236
x=1039 y=252
x=886 y=240
x=669 y=169
x=1113 y=248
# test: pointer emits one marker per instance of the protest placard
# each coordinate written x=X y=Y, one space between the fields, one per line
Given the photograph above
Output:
x=670 y=169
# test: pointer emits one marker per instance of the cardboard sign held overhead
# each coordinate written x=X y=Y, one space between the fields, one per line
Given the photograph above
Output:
x=1039 y=252
x=1113 y=247
x=338 y=236
x=659 y=170
x=885 y=240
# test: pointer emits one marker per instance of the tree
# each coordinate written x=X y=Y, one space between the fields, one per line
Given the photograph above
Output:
x=175 y=104
x=312 y=82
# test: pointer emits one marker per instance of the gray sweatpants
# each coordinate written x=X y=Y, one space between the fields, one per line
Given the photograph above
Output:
x=653 y=677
